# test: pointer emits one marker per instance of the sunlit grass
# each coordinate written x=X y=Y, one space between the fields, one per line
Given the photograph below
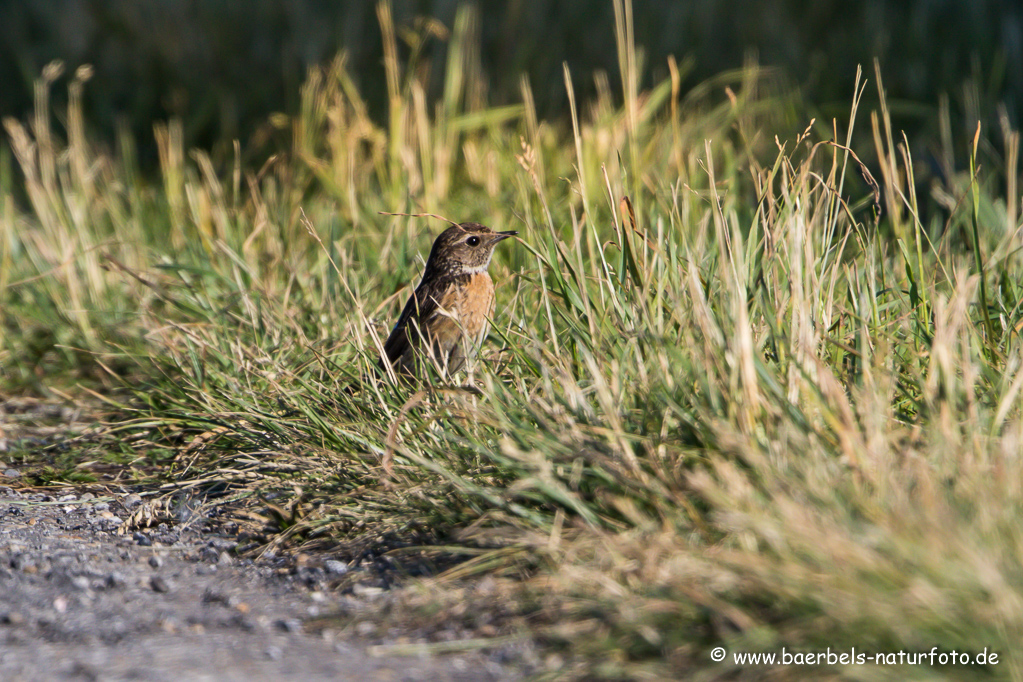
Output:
x=734 y=408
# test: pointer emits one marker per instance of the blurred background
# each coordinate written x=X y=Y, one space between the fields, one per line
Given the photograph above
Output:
x=225 y=66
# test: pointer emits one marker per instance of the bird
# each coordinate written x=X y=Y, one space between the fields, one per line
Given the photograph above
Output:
x=446 y=319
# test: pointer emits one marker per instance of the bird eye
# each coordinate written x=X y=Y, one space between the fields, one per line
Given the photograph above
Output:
x=473 y=241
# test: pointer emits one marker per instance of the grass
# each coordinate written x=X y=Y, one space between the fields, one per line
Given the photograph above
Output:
x=732 y=396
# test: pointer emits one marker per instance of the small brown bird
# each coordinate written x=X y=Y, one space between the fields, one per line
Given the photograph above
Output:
x=446 y=319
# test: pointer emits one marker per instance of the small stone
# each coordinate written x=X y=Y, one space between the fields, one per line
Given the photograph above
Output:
x=142 y=539
x=274 y=653
x=11 y=618
x=81 y=671
x=131 y=501
x=87 y=496
x=225 y=559
x=205 y=569
x=365 y=628
x=222 y=544
x=12 y=473
x=80 y=582
x=367 y=591
x=67 y=498
x=155 y=561
x=159 y=584
x=211 y=596
x=553 y=662
x=244 y=622
x=335 y=567
x=115 y=580
x=106 y=521
x=309 y=574
x=289 y=624
x=24 y=563
x=101 y=507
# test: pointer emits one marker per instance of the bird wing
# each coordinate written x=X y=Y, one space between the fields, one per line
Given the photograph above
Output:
x=428 y=313
x=398 y=341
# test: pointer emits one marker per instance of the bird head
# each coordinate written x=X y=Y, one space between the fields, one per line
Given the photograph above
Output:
x=464 y=249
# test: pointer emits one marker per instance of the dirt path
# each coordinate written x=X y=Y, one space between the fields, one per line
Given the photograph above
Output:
x=80 y=602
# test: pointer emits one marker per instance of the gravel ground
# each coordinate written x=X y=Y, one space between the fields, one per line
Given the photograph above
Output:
x=80 y=602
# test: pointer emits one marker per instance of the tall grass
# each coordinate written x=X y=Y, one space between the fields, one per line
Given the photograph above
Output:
x=722 y=402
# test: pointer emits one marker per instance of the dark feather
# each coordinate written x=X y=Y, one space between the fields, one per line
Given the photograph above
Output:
x=418 y=313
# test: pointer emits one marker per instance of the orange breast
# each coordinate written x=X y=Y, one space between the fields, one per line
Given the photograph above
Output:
x=478 y=305
x=461 y=324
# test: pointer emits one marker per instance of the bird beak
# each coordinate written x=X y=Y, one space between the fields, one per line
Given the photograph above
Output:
x=498 y=236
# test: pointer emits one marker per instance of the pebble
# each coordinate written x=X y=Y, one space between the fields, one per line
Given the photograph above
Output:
x=155 y=561
x=222 y=544
x=211 y=596
x=289 y=624
x=335 y=567
x=106 y=521
x=11 y=618
x=366 y=591
x=131 y=501
x=12 y=473
x=244 y=622
x=159 y=584
x=23 y=563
